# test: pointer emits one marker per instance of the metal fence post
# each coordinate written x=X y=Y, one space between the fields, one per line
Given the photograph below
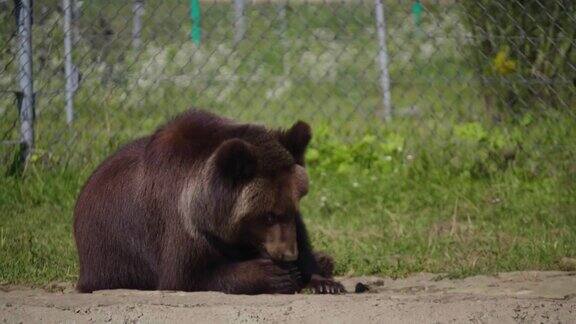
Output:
x=383 y=59
x=69 y=70
x=26 y=81
x=281 y=16
x=138 y=11
x=239 y=21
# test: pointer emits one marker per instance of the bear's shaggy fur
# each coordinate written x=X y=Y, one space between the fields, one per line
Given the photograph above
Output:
x=202 y=204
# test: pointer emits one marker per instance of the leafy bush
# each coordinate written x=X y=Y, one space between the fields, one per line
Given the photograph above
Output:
x=523 y=51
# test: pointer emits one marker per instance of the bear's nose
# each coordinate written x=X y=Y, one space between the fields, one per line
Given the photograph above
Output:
x=290 y=255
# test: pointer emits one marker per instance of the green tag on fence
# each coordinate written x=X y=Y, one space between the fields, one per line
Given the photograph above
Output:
x=196 y=32
x=417 y=9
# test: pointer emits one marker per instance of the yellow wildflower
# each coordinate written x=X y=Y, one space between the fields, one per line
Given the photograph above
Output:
x=504 y=64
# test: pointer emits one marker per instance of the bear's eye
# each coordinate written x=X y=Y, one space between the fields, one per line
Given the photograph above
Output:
x=270 y=218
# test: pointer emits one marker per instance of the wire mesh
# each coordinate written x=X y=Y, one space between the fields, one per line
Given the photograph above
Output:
x=133 y=64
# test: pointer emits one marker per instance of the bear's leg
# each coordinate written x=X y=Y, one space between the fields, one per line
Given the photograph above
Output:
x=192 y=265
x=252 y=277
x=325 y=263
x=316 y=268
x=258 y=276
x=104 y=266
x=109 y=274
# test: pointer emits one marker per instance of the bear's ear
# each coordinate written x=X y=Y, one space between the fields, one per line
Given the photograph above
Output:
x=296 y=139
x=236 y=160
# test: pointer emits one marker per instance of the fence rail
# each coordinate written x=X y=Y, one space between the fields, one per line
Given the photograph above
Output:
x=88 y=71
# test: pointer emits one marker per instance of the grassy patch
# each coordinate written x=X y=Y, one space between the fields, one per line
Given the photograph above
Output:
x=393 y=201
x=441 y=188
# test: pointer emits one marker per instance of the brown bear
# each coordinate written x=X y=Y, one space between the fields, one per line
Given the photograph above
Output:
x=204 y=203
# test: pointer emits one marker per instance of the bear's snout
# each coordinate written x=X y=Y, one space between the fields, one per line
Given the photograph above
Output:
x=284 y=253
x=281 y=243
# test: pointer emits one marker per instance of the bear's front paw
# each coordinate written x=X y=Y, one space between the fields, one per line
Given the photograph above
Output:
x=322 y=285
x=278 y=279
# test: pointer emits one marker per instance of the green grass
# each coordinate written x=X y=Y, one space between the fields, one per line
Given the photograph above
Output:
x=389 y=202
x=453 y=210
x=445 y=190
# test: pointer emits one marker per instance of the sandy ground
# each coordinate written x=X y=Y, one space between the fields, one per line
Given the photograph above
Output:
x=540 y=297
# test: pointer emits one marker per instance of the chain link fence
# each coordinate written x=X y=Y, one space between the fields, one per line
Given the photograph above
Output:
x=79 y=77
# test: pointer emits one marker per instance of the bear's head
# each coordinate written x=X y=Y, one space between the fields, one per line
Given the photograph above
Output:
x=248 y=189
